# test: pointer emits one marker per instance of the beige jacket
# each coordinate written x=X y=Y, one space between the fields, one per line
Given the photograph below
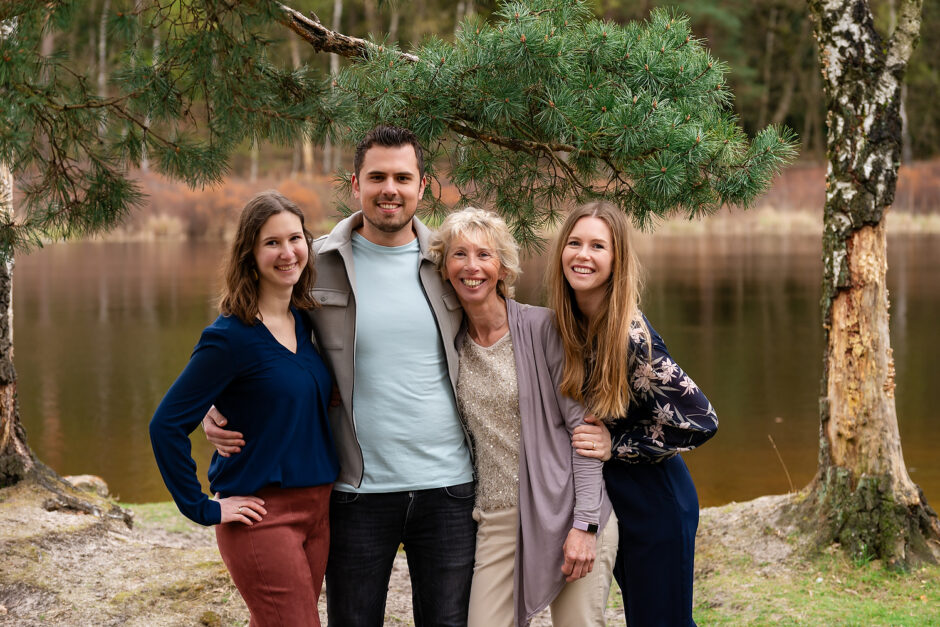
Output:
x=334 y=327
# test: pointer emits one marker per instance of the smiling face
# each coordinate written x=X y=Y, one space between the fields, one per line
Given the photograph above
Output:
x=280 y=252
x=473 y=268
x=388 y=187
x=586 y=260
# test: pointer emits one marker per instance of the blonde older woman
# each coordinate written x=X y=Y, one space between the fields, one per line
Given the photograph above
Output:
x=544 y=521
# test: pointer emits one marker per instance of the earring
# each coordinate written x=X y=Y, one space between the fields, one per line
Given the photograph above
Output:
x=254 y=274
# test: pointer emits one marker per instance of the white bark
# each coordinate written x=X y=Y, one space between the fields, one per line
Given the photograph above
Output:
x=393 y=24
x=15 y=456
x=862 y=487
x=255 y=158
x=331 y=156
x=103 y=56
x=306 y=146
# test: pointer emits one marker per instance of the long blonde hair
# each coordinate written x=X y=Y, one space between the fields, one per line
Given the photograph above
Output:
x=604 y=388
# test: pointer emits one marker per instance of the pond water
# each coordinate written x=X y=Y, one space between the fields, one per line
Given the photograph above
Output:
x=103 y=329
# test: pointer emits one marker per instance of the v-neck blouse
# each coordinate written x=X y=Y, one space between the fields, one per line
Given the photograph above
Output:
x=276 y=398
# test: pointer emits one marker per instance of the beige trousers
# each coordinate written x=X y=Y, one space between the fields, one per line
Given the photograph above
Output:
x=580 y=603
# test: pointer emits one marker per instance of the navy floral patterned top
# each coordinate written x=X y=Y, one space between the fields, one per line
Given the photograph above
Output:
x=669 y=414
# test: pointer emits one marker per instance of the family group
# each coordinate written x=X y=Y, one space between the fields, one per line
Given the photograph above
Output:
x=379 y=387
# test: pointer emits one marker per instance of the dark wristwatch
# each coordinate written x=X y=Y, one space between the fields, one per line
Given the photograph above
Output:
x=583 y=526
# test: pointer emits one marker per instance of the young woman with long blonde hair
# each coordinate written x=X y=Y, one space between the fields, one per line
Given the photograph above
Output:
x=618 y=367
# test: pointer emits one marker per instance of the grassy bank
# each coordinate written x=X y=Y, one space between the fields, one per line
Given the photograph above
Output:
x=750 y=570
x=62 y=568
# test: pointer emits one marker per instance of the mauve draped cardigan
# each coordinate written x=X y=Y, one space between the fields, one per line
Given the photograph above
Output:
x=556 y=485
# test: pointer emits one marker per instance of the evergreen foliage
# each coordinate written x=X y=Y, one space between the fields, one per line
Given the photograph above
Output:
x=547 y=105
x=209 y=89
x=543 y=106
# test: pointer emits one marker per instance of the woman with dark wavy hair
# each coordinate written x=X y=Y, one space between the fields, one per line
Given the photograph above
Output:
x=258 y=365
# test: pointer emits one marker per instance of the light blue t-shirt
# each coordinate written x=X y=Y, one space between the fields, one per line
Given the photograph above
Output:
x=403 y=403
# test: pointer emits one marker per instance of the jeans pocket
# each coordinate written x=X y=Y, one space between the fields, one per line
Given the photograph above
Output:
x=338 y=497
x=462 y=491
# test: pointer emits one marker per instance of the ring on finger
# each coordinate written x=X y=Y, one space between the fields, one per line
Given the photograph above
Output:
x=240 y=509
x=593 y=445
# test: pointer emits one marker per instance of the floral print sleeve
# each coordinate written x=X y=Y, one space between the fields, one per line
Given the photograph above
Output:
x=668 y=415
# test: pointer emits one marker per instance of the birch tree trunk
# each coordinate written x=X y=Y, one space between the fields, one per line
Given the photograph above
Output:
x=862 y=490
x=103 y=55
x=16 y=459
x=306 y=146
x=331 y=156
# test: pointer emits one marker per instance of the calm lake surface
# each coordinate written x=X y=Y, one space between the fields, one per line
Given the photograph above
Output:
x=103 y=329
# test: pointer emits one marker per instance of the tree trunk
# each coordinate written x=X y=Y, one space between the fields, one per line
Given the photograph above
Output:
x=16 y=459
x=393 y=22
x=907 y=153
x=789 y=85
x=155 y=44
x=255 y=155
x=768 y=68
x=862 y=489
x=372 y=18
x=103 y=56
x=306 y=146
x=331 y=160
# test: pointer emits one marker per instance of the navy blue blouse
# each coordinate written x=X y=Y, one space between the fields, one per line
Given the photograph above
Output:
x=277 y=399
x=669 y=414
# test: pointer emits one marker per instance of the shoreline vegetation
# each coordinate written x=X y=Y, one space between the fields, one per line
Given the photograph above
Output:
x=792 y=206
x=66 y=568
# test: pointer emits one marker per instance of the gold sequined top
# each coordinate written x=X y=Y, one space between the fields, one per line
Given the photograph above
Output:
x=488 y=399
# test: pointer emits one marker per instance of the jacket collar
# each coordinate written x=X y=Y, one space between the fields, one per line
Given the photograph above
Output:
x=341 y=234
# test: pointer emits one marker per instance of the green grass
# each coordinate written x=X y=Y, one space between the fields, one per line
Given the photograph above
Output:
x=734 y=589
x=163 y=514
x=830 y=590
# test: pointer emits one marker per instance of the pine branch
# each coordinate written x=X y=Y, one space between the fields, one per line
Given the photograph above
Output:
x=325 y=40
x=520 y=145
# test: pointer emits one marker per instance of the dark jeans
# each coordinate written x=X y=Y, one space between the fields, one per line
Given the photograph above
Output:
x=439 y=536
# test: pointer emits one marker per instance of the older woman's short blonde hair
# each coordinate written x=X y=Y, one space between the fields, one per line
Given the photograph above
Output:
x=476 y=224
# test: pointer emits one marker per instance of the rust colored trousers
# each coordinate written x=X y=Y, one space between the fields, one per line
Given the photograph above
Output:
x=277 y=564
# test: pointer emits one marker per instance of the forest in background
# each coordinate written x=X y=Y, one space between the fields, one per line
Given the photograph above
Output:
x=768 y=45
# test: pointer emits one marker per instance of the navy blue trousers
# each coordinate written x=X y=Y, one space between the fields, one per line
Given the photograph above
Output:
x=657 y=510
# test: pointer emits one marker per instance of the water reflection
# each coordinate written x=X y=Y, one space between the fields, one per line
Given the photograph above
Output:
x=103 y=329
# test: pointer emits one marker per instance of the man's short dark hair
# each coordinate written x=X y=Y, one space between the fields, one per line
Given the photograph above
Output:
x=390 y=137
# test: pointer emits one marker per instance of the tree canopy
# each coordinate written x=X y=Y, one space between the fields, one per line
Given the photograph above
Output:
x=546 y=105
x=542 y=105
